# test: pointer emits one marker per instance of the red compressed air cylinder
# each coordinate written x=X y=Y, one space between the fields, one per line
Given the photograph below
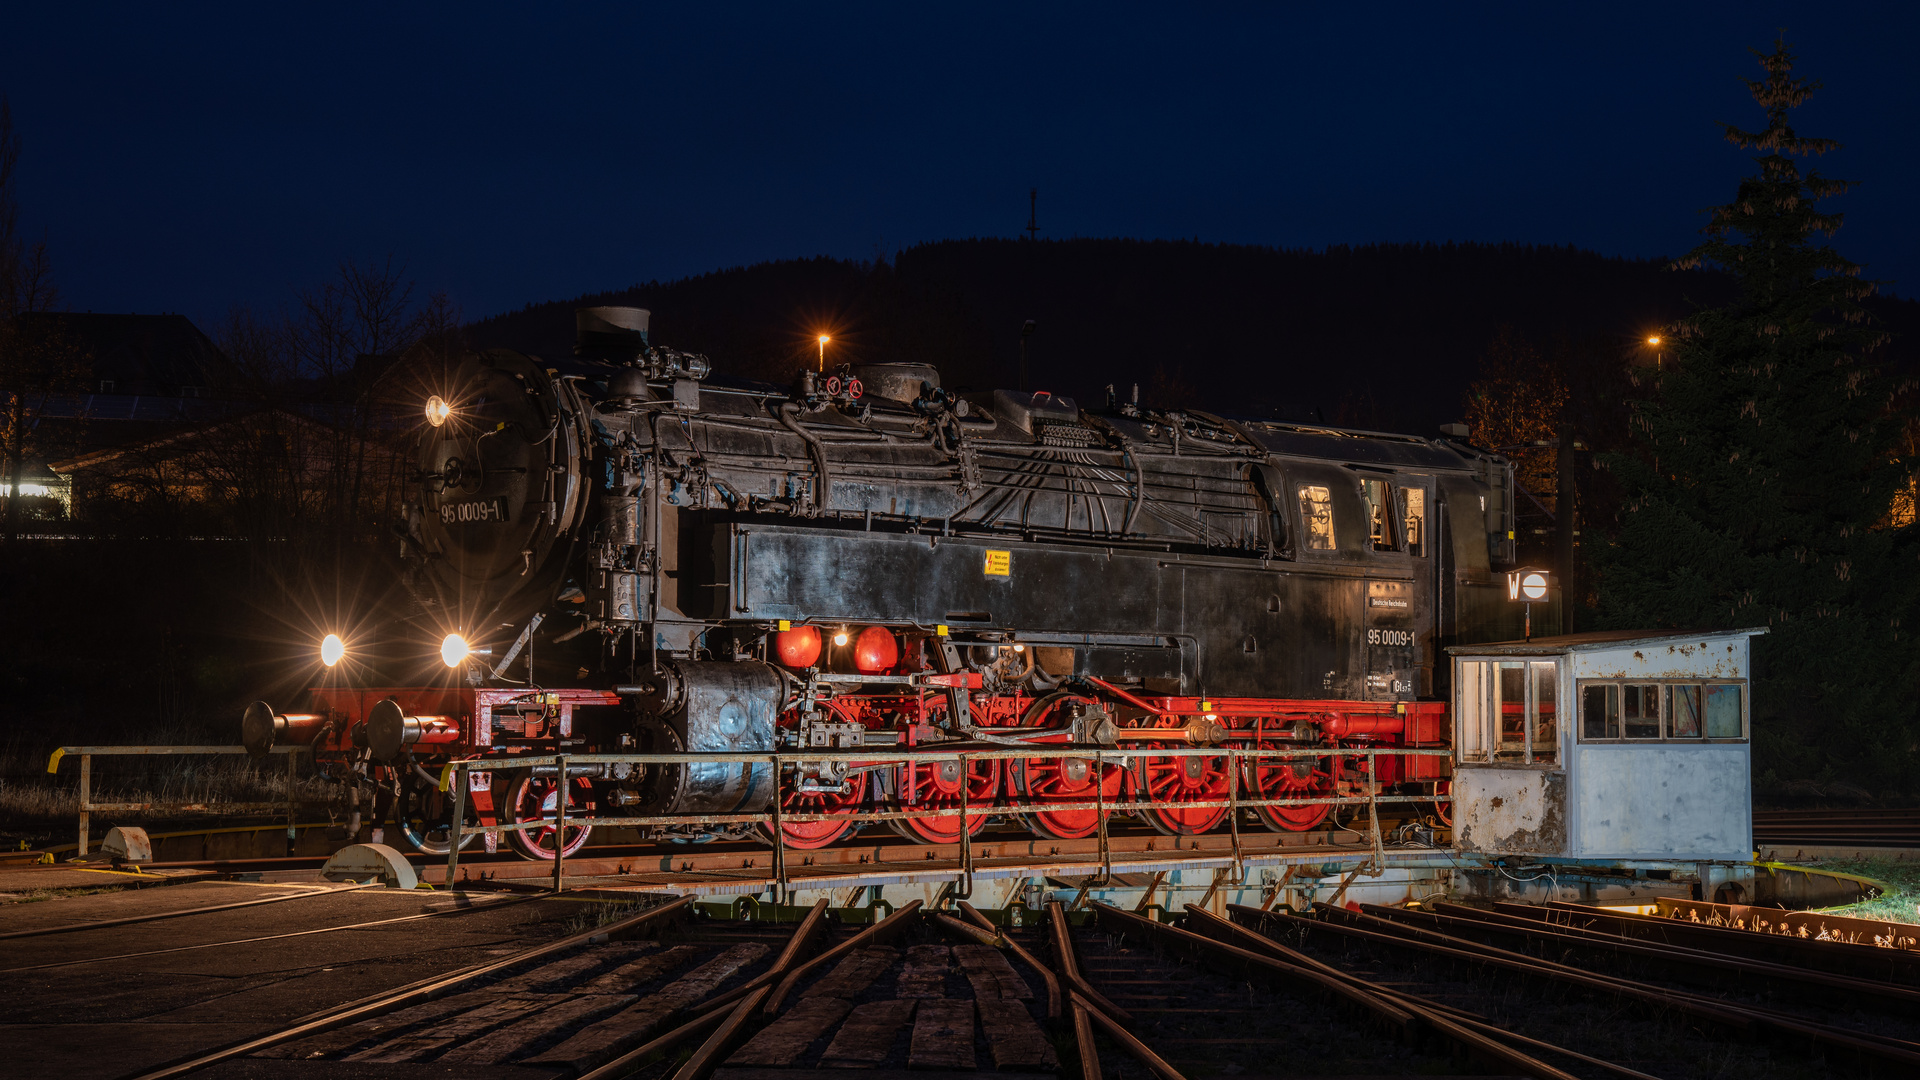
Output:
x=1347 y=725
x=875 y=650
x=798 y=647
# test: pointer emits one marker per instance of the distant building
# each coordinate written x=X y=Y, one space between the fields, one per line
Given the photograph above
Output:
x=144 y=355
x=155 y=433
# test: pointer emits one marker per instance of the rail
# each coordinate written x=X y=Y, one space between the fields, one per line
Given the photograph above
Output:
x=456 y=779
x=86 y=754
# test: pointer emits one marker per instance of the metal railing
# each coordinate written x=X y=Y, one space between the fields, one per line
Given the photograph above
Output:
x=88 y=806
x=456 y=778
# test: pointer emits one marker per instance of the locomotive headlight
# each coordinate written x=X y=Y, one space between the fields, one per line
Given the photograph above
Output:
x=332 y=649
x=454 y=650
x=438 y=410
x=1534 y=586
x=840 y=636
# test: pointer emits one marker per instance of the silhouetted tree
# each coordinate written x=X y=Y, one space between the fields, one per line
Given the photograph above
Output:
x=1766 y=463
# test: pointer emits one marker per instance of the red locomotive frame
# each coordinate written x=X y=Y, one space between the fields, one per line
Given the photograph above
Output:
x=443 y=724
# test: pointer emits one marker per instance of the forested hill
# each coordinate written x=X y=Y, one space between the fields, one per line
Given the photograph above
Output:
x=1381 y=336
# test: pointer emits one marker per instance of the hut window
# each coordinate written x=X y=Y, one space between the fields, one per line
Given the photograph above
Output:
x=1508 y=711
x=1642 y=710
x=1670 y=711
x=1600 y=711
x=1723 y=712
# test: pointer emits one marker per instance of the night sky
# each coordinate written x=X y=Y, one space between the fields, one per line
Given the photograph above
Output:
x=190 y=161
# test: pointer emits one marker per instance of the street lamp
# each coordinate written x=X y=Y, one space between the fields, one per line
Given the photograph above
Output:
x=824 y=338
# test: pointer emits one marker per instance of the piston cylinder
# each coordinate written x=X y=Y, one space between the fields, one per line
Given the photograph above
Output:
x=390 y=730
x=262 y=729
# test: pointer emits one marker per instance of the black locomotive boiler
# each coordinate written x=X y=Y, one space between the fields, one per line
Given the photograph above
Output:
x=622 y=551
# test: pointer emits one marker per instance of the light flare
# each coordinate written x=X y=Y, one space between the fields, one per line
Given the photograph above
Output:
x=454 y=650
x=332 y=649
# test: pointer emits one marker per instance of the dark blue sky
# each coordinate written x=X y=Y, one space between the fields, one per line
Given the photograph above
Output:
x=191 y=161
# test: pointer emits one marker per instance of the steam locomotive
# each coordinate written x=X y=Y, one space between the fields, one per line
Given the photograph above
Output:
x=623 y=551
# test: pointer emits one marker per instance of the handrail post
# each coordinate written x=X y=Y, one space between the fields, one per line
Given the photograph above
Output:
x=560 y=795
x=1233 y=811
x=86 y=800
x=1373 y=808
x=453 y=827
x=1100 y=800
x=965 y=891
x=292 y=817
x=780 y=833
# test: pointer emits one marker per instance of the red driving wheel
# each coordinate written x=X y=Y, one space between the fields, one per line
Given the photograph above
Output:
x=818 y=834
x=1172 y=783
x=1291 y=778
x=935 y=785
x=1065 y=780
x=536 y=799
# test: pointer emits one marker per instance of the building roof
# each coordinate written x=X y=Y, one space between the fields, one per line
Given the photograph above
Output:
x=1599 y=639
x=143 y=354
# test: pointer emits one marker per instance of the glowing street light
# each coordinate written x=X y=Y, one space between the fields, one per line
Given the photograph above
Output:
x=1654 y=340
x=332 y=649
x=824 y=338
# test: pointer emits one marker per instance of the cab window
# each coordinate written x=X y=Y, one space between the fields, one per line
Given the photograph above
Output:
x=1413 y=519
x=1379 y=515
x=1316 y=512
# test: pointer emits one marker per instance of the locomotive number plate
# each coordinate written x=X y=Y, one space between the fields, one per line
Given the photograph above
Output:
x=1000 y=563
x=467 y=513
x=1391 y=638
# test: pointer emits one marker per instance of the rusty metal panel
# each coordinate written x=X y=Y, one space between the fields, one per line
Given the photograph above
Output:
x=1510 y=809
x=1663 y=800
x=1706 y=657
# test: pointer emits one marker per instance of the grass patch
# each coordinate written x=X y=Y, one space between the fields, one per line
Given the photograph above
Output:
x=35 y=804
x=1901 y=901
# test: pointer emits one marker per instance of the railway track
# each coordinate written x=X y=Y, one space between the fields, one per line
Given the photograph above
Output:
x=1634 y=995
x=1869 y=828
x=1446 y=989
x=1555 y=992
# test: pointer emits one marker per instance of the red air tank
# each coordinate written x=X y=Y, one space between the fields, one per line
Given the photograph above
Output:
x=1349 y=725
x=798 y=647
x=875 y=650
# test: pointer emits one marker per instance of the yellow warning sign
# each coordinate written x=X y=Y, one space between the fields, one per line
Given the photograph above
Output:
x=999 y=563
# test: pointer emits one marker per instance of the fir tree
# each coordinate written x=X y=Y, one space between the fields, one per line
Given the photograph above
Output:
x=1767 y=460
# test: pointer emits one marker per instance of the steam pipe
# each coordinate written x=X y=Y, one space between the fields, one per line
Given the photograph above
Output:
x=788 y=413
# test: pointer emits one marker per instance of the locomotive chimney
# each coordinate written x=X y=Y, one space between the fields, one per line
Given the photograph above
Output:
x=618 y=334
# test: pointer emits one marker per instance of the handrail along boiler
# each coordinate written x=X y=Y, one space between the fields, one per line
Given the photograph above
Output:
x=666 y=560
